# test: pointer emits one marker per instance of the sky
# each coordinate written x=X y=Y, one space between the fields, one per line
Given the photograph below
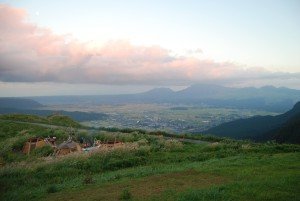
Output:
x=116 y=46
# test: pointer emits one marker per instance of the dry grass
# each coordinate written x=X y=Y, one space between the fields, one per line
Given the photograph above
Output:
x=42 y=161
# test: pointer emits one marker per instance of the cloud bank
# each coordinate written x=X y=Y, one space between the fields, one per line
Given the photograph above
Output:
x=29 y=53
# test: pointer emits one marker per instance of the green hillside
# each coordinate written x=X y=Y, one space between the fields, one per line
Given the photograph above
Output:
x=149 y=167
x=283 y=128
x=289 y=132
x=20 y=103
x=59 y=120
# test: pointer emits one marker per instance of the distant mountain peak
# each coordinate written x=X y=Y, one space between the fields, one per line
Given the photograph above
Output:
x=159 y=90
x=204 y=91
x=268 y=87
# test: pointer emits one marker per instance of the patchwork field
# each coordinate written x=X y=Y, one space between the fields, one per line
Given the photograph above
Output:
x=167 y=117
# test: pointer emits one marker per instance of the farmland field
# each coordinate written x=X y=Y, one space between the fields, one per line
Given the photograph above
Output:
x=168 y=117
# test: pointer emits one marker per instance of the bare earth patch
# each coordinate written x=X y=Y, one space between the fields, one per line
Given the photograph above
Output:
x=142 y=188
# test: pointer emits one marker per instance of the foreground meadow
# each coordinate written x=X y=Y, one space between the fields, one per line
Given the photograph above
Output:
x=151 y=167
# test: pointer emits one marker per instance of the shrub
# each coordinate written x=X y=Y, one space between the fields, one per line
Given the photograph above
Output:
x=19 y=143
x=142 y=142
x=172 y=144
x=60 y=134
x=43 y=151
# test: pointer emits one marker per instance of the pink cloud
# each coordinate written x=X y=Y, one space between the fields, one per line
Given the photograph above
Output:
x=29 y=53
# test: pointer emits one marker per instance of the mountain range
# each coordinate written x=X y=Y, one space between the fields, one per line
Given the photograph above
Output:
x=282 y=128
x=267 y=98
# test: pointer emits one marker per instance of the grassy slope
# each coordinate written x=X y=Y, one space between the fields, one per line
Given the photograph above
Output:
x=59 y=120
x=79 y=116
x=234 y=178
x=13 y=136
x=230 y=170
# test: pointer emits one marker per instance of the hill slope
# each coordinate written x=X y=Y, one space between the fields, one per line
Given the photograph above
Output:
x=20 y=103
x=283 y=128
x=76 y=115
x=28 y=106
x=58 y=120
x=289 y=132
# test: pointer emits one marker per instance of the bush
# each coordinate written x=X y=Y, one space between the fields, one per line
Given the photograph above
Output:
x=60 y=134
x=43 y=151
x=142 y=142
x=19 y=143
x=172 y=144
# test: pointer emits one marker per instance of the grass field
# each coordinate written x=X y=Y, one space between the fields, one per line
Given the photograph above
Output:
x=196 y=172
x=154 y=169
x=274 y=177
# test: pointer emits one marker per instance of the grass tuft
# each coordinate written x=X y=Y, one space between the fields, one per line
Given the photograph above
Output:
x=125 y=195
